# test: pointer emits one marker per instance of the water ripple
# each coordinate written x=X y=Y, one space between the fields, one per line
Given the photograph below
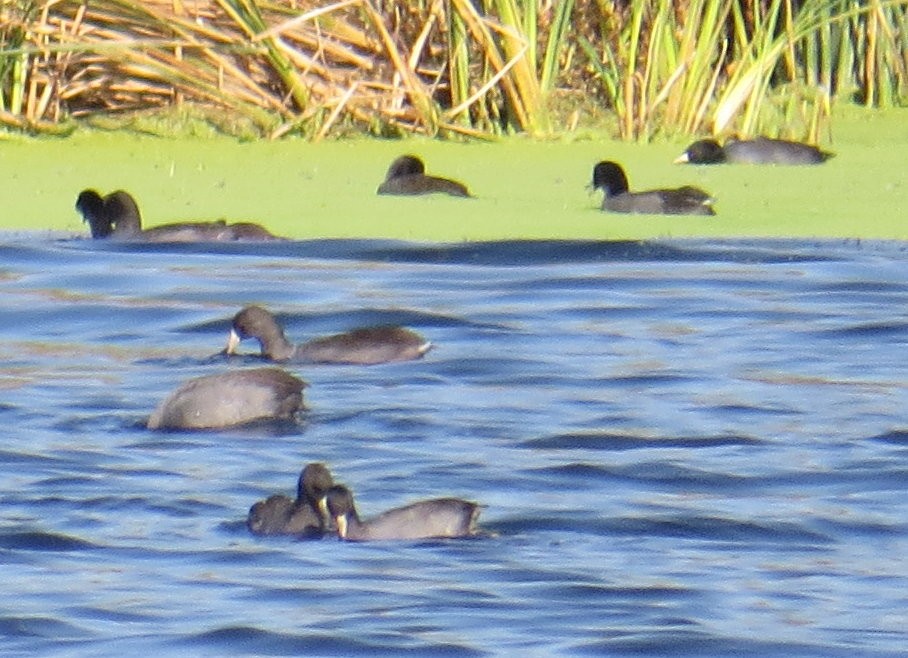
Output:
x=681 y=447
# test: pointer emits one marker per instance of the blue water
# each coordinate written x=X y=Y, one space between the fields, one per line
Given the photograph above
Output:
x=684 y=448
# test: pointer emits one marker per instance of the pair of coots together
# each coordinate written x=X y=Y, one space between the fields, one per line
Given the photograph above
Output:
x=244 y=396
x=688 y=200
x=117 y=217
x=323 y=506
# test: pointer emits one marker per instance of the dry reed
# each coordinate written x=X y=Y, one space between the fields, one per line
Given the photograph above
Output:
x=475 y=68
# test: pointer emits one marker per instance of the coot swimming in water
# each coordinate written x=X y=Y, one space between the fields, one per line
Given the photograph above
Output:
x=407 y=177
x=760 y=150
x=610 y=177
x=426 y=519
x=116 y=216
x=230 y=398
x=365 y=346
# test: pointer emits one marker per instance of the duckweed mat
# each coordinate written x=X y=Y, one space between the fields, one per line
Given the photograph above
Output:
x=524 y=189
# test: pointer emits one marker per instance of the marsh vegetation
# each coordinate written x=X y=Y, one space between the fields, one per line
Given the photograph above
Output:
x=452 y=68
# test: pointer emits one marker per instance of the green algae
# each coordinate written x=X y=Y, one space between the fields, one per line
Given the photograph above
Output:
x=524 y=189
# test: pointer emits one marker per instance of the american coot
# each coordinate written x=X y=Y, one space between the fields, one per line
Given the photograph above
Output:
x=407 y=177
x=116 y=216
x=230 y=398
x=761 y=150
x=306 y=516
x=366 y=346
x=610 y=177
x=441 y=517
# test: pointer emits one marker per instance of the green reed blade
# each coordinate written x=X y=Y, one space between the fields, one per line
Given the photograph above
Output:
x=561 y=24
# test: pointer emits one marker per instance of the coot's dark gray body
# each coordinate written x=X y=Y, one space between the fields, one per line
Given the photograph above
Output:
x=426 y=519
x=760 y=150
x=611 y=179
x=407 y=177
x=230 y=398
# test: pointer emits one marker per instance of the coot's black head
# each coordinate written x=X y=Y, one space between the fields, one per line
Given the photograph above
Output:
x=705 y=151
x=610 y=177
x=314 y=483
x=123 y=212
x=90 y=205
x=255 y=322
x=405 y=165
